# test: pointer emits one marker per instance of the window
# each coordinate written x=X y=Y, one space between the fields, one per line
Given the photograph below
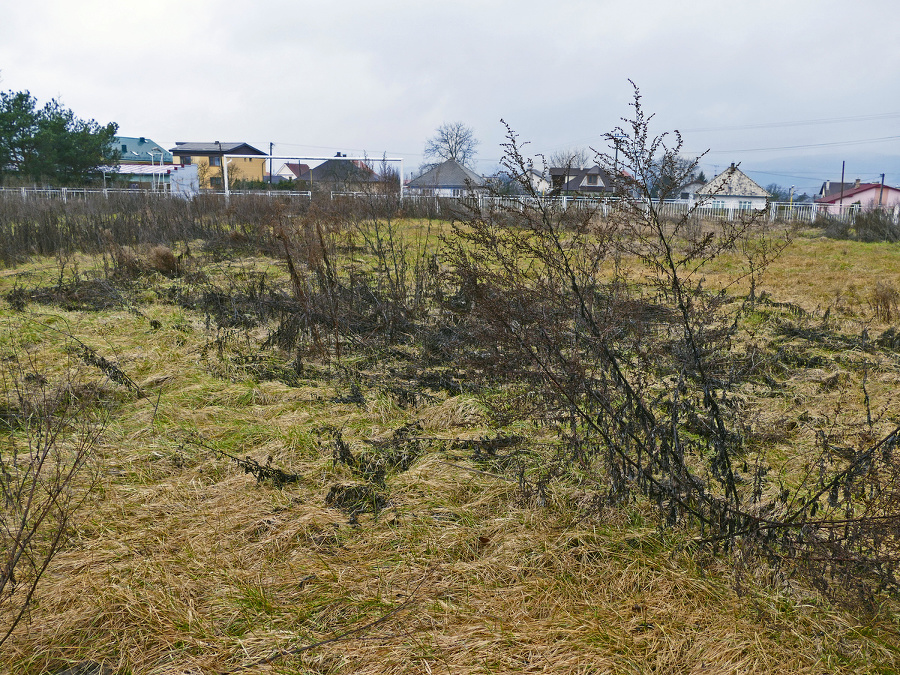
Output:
x=745 y=206
x=186 y=160
x=593 y=179
x=685 y=195
x=215 y=161
x=124 y=148
x=215 y=181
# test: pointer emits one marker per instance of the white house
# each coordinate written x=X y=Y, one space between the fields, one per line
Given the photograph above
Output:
x=538 y=180
x=291 y=170
x=448 y=179
x=688 y=192
x=733 y=190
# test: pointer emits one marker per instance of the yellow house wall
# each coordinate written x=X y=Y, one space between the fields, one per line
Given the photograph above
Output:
x=240 y=168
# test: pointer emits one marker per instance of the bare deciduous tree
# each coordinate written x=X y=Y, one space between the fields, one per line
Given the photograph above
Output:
x=452 y=140
x=570 y=158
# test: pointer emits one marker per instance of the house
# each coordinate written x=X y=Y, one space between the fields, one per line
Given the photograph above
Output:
x=830 y=188
x=141 y=150
x=592 y=181
x=210 y=157
x=339 y=174
x=687 y=193
x=290 y=171
x=174 y=178
x=448 y=179
x=857 y=194
x=732 y=190
x=538 y=180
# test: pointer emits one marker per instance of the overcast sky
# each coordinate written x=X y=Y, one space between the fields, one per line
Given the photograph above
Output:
x=788 y=88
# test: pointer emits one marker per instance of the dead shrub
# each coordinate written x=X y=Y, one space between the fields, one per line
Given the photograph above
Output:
x=832 y=226
x=163 y=260
x=52 y=433
x=125 y=260
x=876 y=225
x=884 y=301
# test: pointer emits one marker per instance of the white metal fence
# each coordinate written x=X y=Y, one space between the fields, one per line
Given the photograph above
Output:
x=775 y=211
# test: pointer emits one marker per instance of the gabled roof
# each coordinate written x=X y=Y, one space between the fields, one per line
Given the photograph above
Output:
x=295 y=168
x=182 y=148
x=334 y=170
x=572 y=179
x=135 y=149
x=830 y=188
x=694 y=184
x=834 y=197
x=732 y=182
x=447 y=175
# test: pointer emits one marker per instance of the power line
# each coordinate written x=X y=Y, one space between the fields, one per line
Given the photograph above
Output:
x=831 y=144
x=799 y=123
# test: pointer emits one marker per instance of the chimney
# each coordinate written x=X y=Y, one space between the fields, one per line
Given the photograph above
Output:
x=856 y=183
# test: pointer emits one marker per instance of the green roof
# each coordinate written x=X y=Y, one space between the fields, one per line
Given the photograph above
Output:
x=137 y=149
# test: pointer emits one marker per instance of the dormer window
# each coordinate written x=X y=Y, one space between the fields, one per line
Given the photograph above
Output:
x=593 y=179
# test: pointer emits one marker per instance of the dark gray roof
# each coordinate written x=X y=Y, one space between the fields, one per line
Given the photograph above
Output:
x=215 y=149
x=339 y=170
x=733 y=182
x=830 y=188
x=447 y=175
x=572 y=179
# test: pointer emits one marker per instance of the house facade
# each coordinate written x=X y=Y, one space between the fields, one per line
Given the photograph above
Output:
x=291 y=171
x=448 y=179
x=687 y=193
x=539 y=181
x=592 y=181
x=859 y=195
x=174 y=178
x=210 y=160
x=732 y=190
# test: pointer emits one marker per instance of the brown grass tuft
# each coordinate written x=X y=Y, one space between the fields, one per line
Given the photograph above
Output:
x=162 y=260
x=884 y=301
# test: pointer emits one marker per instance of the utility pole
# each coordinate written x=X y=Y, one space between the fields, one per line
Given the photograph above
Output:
x=881 y=192
x=271 y=146
x=841 y=202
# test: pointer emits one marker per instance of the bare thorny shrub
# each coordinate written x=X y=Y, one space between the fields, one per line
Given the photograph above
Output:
x=607 y=321
x=374 y=301
x=49 y=432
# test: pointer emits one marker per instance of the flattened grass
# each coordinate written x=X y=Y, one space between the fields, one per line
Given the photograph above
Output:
x=185 y=564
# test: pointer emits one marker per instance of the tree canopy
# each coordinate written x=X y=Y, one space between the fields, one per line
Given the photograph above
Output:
x=51 y=143
x=781 y=193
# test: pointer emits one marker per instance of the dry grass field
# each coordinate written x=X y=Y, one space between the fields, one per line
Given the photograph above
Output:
x=399 y=536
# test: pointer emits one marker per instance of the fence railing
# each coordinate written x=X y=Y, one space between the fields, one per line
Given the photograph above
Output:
x=775 y=211
x=66 y=193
